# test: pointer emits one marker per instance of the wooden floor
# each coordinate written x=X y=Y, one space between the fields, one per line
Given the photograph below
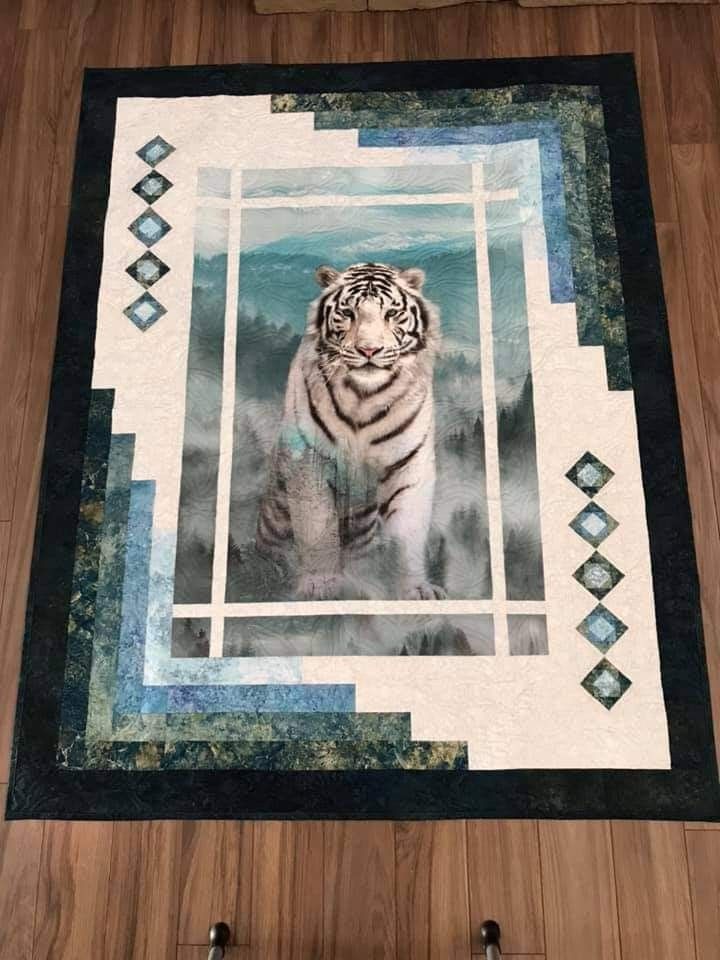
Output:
x=339 y=891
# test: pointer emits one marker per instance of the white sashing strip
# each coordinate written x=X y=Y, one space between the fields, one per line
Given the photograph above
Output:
x=373 y=200
x=492 y=460
x=222 y=509
x=325 y=608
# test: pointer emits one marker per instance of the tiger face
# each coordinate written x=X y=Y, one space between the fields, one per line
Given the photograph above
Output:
x=371 y=316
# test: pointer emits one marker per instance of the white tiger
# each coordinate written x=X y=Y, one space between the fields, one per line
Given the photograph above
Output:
x=355 y=458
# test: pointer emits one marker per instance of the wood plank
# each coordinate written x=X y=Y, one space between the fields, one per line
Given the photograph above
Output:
x=142 y=914
x=146 y=33
x=302 y=39
x=411 y=35
x=616 y=25
x=13 y=602
x=518 y=31
x=42 y=15
x=657 y=145
x=22 y=532
x=697 y=174
x=652 y=891
x=20 y=845
x=706 y=525
x=198 y=34
x=690 y=82
x=579 y=890
x=358 y=38
x=26 y=158
x=359 y=856
x=479 y=34
x=578 y=30
x=287 y=897
x=505 y=882
x=216 y=879
x=92 y=38
x=9 y=16
x=432 y=907
x=92 y=41
x=73 y=891
x=703 y=850
x=5 y=530
x=454 y=34
x=248 y=35
x=513 y=956
x=701 y=825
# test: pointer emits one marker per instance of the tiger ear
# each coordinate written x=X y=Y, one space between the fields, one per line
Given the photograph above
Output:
x=414 y=278
x=326 y=276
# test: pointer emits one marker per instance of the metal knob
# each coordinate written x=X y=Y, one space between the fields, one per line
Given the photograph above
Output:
x=219 y=939
x=490 y=939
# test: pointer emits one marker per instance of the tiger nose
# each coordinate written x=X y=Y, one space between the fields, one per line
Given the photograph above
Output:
x=369 y=351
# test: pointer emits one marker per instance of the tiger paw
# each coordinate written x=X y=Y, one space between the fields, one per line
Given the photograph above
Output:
x=425 y=591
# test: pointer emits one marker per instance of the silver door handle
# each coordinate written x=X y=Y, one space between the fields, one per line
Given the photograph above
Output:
x=490 y=939
x=219 y=939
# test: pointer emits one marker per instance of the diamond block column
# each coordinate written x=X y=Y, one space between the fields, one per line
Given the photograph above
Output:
x=601 y=627
x=149 y=227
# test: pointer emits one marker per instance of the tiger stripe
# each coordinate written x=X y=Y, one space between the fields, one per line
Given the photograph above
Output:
x=402 y=462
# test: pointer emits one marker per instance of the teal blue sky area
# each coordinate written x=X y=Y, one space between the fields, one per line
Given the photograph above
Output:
x=357 y=181
x=281 y=247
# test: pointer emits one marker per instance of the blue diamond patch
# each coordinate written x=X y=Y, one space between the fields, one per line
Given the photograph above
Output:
x=593 y=524
x=155 y=151
x=598 y=575
x=602 y=628
x=145 y=311
x=149 y=227
x=589 y=474
x=152 y=186
x=606 y=684
x=147 y=269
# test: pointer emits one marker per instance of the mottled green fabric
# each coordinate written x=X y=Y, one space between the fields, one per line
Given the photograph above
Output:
x=81 y=619
x=111 y=575
x=274 y=755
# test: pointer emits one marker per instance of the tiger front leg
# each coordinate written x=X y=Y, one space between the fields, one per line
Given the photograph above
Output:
x=407 y=522
x=314 y=519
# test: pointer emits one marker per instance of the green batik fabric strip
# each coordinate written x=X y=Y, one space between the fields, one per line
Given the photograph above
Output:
x=150 y=741
x=258 y=726
x=599 y=253
x=103 y=723
x=81 y=619
x=423 y=99
x=111 y=575
x=288 y=726
x=394 y=100
x=605 y=237
x=279 y=755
